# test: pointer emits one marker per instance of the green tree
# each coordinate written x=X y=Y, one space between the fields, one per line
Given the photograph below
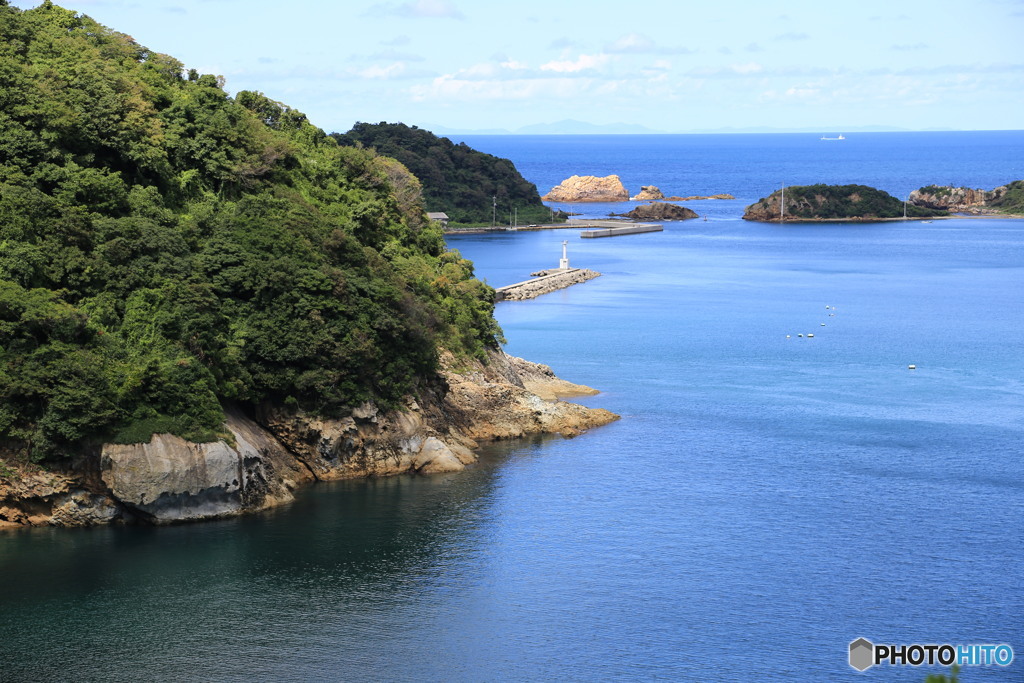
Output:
x=166 y=248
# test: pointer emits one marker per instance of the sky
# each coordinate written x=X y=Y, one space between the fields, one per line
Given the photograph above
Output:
x=668 y=66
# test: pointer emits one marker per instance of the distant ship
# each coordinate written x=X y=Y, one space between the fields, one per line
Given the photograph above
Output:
x=838 y=138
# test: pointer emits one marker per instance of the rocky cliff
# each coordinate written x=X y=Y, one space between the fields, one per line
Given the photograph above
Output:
x=274 y=452
x=957 y=199
x=647 y=193
x=588 y=189
x=659 y=211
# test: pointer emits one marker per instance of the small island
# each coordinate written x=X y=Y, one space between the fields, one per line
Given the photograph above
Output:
x=659 y=211
x=647 y=193
x=834 y=203
x=588 y=188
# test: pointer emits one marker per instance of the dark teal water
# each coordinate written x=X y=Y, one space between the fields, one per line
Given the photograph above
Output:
x=763 y=502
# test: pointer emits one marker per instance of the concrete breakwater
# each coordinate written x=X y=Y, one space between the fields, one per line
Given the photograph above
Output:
x=625 y=230
x=552 y=280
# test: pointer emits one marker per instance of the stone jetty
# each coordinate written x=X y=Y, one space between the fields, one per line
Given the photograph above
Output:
x=546 y=281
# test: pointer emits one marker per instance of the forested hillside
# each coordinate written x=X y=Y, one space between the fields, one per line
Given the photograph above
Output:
x=457 y=179
x=166 y=249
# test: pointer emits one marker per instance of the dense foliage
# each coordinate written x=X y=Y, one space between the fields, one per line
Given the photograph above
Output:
x=165 y=248
x=457 y=179
x=1012 y=201
x=824 y=202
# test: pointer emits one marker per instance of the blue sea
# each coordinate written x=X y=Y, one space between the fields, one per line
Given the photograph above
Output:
x=767 y=497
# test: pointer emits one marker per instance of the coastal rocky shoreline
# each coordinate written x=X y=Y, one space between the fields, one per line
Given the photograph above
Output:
x=274 y=452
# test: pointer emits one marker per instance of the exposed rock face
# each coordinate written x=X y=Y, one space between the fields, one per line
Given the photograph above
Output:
x=647 y=193
x=172 y=480
x=659 y=211
x=957 y=199
x=33 y=498
x=588 y=189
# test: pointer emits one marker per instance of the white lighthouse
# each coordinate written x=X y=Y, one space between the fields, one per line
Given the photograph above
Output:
x=563 y=264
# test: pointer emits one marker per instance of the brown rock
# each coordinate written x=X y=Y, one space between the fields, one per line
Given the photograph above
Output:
x=588 y=189
x=957 y=199
x=647 y=193
x=659 y=211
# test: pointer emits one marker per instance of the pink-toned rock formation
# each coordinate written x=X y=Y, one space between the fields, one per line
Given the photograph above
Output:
x=588 y=188
x=647 y=193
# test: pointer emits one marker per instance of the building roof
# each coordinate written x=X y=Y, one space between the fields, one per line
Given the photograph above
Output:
x=437 y=216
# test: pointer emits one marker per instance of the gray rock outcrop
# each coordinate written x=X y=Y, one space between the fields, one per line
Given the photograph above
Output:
x=170 y=479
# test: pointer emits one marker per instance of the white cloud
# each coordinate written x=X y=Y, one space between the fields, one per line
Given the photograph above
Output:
x=802 y=92
x=632 y=42
x=452 y=87
x=581 y=63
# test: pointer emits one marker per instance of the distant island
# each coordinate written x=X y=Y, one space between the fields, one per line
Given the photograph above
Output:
x=834 y=202
x=659 y=211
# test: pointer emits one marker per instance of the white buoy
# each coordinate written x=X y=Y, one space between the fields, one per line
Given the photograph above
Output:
x=823 y=324
x=911 y=367
x=787 y=336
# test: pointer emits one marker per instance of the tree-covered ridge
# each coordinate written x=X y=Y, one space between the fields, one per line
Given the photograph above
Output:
x=830 y=202
x=165 y=248
x=457 y=179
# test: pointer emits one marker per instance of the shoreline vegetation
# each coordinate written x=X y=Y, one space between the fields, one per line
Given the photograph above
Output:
x=207 y=302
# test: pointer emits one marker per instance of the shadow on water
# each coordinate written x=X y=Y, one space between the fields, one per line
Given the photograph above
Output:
x=125 y=601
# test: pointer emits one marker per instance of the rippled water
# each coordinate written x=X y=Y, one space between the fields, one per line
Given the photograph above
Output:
x=764 y=500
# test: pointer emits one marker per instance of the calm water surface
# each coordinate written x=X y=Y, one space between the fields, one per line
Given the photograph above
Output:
x=764 y=500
